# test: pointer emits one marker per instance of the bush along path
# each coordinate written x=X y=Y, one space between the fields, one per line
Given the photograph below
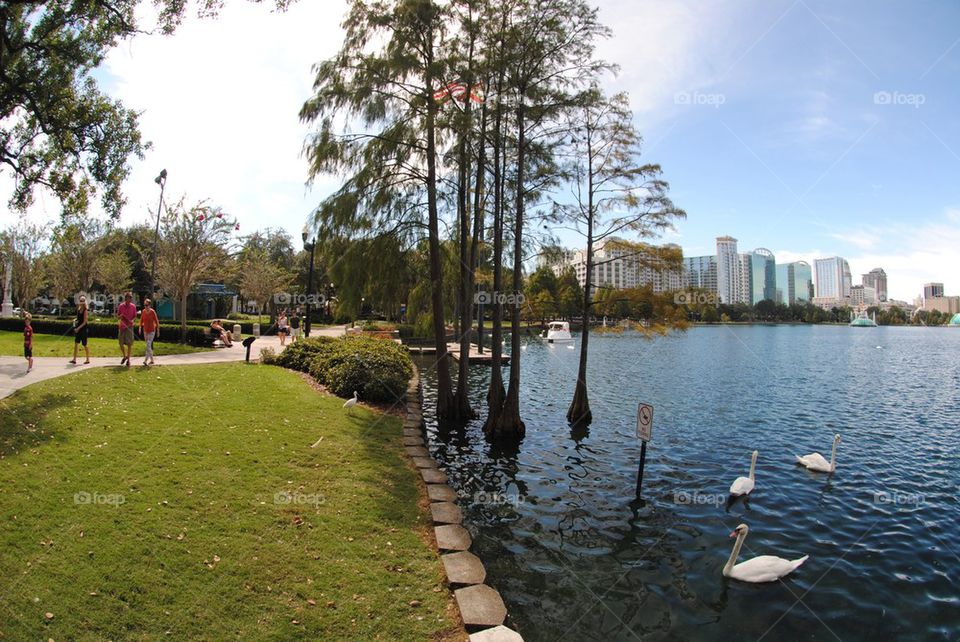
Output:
x=481 y=607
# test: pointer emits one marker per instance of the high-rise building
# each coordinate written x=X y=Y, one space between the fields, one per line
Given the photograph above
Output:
x=932 y=290
x=794 y=283
x=833 y=280
x=743 y=278
x=728 y=270
x=617 y=264
x=802 y=282
x=700 y=272
x=863 y=295
x=760 y=276
x=877 y=279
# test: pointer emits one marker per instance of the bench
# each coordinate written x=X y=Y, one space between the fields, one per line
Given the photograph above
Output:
x=214 y=338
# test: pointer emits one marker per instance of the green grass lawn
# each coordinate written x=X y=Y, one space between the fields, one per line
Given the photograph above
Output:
x=146 y=505
x=53 y=345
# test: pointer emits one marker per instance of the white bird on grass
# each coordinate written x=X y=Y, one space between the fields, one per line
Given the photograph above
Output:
x=350 y=403
x=765 y=568
x=743 y=485
x=818 y=462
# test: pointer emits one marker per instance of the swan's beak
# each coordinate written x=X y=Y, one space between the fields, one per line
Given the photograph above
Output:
x=733 y=534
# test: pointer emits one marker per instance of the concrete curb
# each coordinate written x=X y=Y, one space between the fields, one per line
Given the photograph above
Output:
x=481 y=606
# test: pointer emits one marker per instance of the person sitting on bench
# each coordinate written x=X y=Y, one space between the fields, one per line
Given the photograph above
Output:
x=221 y=333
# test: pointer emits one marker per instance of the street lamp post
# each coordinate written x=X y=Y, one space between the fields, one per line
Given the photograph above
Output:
x=160 y=180
x=312 y=246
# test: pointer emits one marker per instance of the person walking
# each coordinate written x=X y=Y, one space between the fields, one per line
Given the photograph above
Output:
x=28 y=341
x=282 y=327
x=149 y=329
x=294 y=326
x=81 y=330
x=126 y=315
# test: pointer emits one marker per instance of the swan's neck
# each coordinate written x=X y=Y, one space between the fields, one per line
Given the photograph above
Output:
x=753 y=465
x=833 y=456
x=735 y=553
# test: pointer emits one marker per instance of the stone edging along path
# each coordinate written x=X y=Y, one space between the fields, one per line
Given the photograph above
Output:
x=481 y=606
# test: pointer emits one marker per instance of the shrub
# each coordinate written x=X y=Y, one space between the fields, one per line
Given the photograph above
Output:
x=378 y=326
x=107 y=329
x=299 y=354
x=377 y=369
x=268 y=356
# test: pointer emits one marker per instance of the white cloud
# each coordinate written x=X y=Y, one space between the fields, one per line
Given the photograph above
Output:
x=911 y=255
x=220 y=102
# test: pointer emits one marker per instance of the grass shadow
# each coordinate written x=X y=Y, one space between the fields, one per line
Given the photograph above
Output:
x=21 y=420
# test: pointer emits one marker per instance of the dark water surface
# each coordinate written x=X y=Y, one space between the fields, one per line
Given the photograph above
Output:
x=576 y=558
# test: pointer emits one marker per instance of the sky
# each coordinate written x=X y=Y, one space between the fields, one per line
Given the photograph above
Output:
x=811 y=128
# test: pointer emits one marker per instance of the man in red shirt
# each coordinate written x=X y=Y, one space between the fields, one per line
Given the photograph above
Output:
x=127 y=315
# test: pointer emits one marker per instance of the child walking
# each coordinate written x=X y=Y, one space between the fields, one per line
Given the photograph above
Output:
x=28 y=340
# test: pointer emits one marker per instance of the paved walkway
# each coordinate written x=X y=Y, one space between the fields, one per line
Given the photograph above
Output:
x=13 y=370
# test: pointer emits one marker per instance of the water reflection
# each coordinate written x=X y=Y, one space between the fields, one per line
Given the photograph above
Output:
x=576 y=556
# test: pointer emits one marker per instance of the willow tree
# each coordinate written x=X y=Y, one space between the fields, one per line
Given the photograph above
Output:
x=549 y=55
x=377 y=117
x=611 y=194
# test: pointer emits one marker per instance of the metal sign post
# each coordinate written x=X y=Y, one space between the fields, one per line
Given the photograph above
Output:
x=644 y=434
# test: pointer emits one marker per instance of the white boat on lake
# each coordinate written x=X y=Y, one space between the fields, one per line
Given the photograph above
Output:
x=557 y=332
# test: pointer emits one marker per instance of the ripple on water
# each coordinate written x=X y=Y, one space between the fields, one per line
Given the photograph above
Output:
x=575 y=556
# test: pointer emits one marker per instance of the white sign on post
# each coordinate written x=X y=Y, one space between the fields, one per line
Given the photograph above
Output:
x=645 y=422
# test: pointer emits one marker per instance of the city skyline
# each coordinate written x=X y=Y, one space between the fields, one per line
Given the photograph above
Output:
x=708 y=274
x=810 y=146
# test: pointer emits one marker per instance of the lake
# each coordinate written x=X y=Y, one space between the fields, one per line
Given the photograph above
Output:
x=576 y=557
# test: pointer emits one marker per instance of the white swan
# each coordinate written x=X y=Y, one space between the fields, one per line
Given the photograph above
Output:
x=765 y=568
x=817 y=462
x=743 y=485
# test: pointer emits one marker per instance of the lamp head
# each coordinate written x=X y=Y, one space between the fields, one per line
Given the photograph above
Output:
x=160 y=179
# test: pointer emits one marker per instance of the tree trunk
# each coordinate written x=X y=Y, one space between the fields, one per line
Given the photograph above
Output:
x=445 y=400
x=183 y=317
x=462 y=406
x=496 y=392
x=509 y=425
x=579 y=414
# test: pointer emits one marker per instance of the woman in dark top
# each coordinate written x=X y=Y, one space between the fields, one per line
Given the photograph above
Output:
x=81 y=330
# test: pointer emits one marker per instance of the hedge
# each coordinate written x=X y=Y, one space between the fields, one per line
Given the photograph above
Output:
x=169 y=333
x=299 y=355
x=377 y=369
